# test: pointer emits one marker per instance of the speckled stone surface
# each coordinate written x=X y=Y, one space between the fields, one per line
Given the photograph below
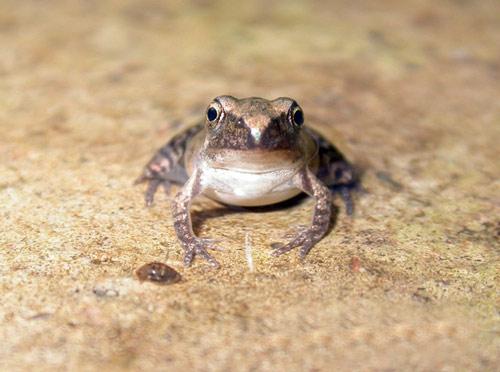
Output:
x=88 y=91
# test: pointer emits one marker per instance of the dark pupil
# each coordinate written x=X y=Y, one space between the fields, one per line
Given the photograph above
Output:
x=211 y=114
x=298 y=117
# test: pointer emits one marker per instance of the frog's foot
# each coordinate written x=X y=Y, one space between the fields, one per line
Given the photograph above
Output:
x=305 y=240
x=293 y=232
x=199 y=247
x=153 y=185
x=345 y=193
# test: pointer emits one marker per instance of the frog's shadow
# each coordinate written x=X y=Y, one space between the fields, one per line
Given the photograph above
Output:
x=199 y=217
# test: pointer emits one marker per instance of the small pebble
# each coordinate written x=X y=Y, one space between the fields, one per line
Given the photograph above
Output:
x=158 y=272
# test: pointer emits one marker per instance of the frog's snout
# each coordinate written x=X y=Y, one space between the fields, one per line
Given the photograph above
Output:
x=256 y=134
x=264 y=131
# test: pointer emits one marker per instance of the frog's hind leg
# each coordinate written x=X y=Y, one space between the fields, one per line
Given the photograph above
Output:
x=342 y=180
x=167 y=165
x=335 y=171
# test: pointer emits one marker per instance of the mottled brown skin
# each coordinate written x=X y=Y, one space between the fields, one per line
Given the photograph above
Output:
x=250 y=151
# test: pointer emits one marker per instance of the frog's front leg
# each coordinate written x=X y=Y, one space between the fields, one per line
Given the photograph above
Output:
x=306 y=239
x=191 y=244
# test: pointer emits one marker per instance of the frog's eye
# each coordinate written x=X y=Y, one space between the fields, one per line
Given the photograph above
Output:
x=297 y=116
x=214 y=112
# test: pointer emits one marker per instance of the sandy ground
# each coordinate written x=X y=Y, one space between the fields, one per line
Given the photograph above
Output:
x=88 y=91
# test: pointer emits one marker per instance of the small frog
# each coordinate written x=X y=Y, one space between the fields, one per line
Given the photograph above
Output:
x=250 y=152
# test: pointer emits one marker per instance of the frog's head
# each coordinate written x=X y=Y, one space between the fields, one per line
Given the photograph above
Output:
x=253 y=123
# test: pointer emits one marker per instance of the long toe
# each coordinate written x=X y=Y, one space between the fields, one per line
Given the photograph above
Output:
x=207 y=256
x=345 y=193
x=166 y=185
x=188 y=258
x=151 y=191
x=282 y=250
x=304 y=250
x=140 y=179
x=209 y=243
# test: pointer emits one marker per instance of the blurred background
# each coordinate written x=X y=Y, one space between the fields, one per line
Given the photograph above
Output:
x=408 y=89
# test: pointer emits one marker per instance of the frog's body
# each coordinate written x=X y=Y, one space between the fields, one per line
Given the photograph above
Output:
x=250 y=152
x=249 y=178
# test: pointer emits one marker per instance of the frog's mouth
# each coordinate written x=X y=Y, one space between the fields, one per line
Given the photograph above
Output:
x=259 y=161
x=255 y=162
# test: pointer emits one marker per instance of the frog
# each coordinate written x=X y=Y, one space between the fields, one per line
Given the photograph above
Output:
x=250 y=152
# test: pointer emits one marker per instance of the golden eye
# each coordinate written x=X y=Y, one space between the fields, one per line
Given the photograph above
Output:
x=214 y=112
x=298 y=116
